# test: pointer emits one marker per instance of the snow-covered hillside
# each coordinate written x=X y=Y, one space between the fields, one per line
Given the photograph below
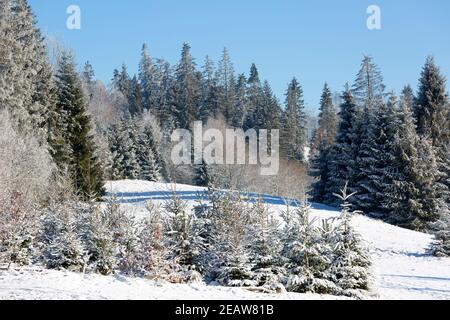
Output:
x=402 y=269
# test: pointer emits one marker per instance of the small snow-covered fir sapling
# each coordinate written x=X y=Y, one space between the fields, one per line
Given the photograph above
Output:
x=63 y=248
x=304 y=253
x=153 y=255
x=265 y=247
x=23 y=247
x=124 y=233
x=350 y=267
x=97 y=236
x=231 y=254
x=204 y=215
x=184 y=239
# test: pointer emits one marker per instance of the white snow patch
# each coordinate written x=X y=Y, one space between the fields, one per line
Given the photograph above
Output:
x=61 y=285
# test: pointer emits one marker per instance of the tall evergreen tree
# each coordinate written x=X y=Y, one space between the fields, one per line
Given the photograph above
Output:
x=268 y=114
x=324 y=140
x=186 y=89
x=146 y=79
x=365 y=136
x=211 y=107
x=26 y=87
x=227 y=84
x=432 y=111
x=327 y=117
x=254 y=93
x=343 y=155
x=432 y=105
x=375 y=163
x=163 y=93
x=76 y=127
x=368 y=91
x=411 y=199
x=207 y=75
x=294 y=131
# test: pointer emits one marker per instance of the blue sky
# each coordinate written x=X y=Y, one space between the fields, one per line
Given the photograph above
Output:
x=315 y=41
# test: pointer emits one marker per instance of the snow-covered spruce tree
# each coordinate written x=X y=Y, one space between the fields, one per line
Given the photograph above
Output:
x=321 y=170
x=231 y=264
x=146 y=80
x=62 y=247
x=160 y=142
x=76 y=128
x=203 y=177
x=350 y=266
x=377 y=158
x=265 y=248
x=163 y=95
x=148 y=153
x=123 y=140
x=94 y=230
x=432 y=105
x=184 y=239
x=24 y=76
x=364 y=141
x=205 y=214
x=432 y=112
x=124 y=233
x=114 y=141
x=375 y=155
x=368 y=91
x=253 y=98
x=131 y=145
x=210 y=106
x=342 y=157
x=327 y=117
x=149 y=168
x=411 y=194
x=227 y=85
x=324 y=139
x=268 y=114
x=294 y=133
x=152 y=258
x=306 y=259
x=208 y=77
x=186 y=98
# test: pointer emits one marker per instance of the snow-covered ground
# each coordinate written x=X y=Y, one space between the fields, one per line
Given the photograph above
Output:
x=59 y=285
x=402 y=269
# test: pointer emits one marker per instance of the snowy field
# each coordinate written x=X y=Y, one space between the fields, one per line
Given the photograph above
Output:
x=402 y=269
